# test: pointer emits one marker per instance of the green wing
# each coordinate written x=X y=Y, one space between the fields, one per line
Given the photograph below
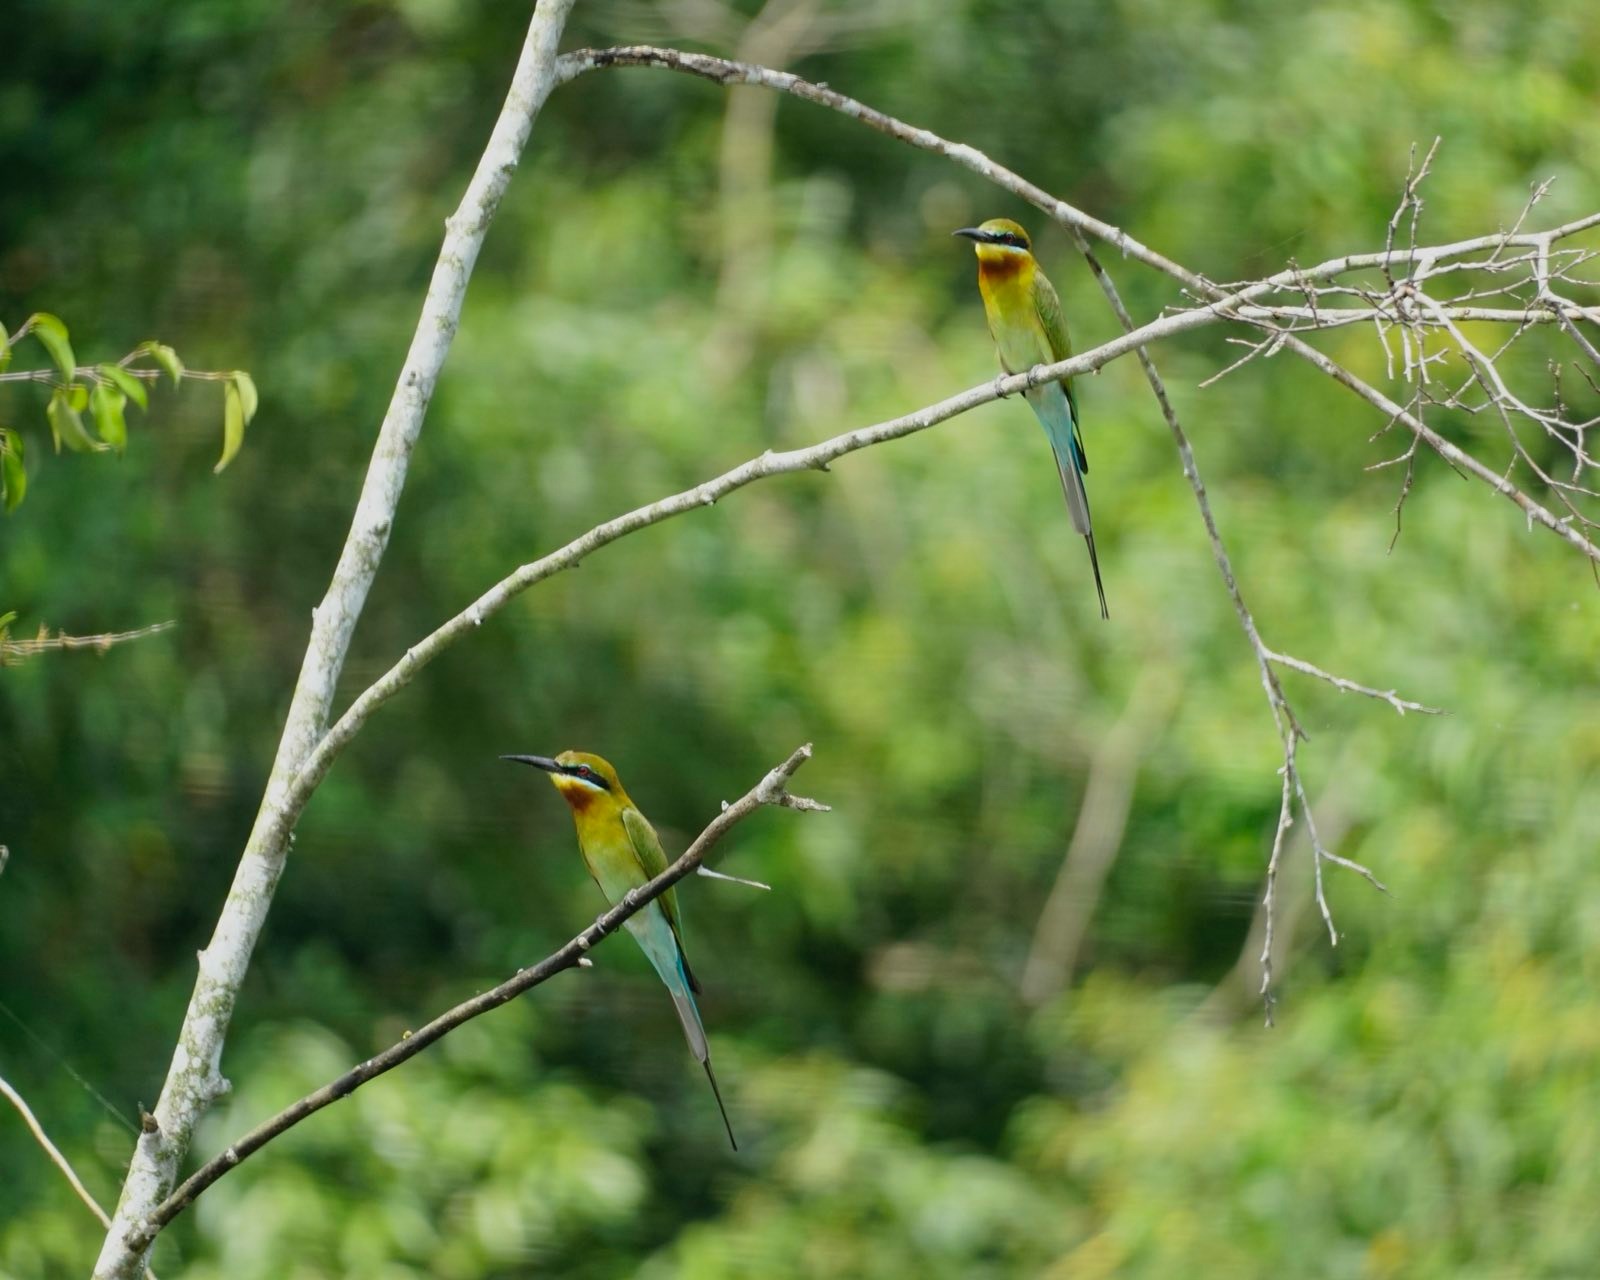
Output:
x=653 y=858
x=1047 y=306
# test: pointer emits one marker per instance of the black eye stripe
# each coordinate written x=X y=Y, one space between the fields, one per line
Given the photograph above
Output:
x=589 y=775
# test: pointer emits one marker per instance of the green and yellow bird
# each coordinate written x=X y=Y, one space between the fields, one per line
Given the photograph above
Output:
x=1025 y=318
x=623 y=852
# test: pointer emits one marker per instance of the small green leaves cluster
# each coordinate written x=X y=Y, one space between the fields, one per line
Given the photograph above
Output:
x=104 y=391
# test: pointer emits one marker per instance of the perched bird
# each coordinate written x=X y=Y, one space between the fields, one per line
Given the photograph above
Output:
x=1025 y=318
x=622 y=851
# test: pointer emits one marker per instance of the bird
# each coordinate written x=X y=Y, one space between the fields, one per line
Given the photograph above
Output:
x=623 y=852
x=1025 y=320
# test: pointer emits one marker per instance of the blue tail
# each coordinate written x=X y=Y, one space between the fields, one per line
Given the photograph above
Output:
x=1052 y=406
x=656 y=939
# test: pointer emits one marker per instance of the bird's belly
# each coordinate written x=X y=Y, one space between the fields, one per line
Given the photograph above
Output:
x=1021 y=346
x=615 y=875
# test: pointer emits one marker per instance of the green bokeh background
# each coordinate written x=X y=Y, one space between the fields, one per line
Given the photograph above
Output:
x=263 y=186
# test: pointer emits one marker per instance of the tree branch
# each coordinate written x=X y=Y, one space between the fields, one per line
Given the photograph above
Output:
x=1457 y=457
x=771 y=790
x=724 y=71
x=1401 y=705
x=762 y=467
x=194 y=1079
x=1283 y=718
x=1240 y=987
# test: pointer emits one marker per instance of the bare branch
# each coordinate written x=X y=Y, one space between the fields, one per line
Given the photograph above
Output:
x=765 y=466
x=725 y=72
x=1269 y=895
x=771 y=790
x=1459 y=458
x=1290 y=734
x=1408 y=200
x=1350 y=686
x=1241 y=987
x=1562 y=310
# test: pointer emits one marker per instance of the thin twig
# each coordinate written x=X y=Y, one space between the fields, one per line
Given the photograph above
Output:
x=709 y=874
x=56 y=1158
x=1290 y=734
x=1241 y=986
x=1269 y=895
x=1401 y=705
x=723 y=71
x=1451 y=453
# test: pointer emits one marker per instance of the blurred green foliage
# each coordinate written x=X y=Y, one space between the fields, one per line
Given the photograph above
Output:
x=265 y=184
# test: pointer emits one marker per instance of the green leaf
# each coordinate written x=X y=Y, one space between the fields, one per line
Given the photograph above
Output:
x=247 y=393
x=6 y=619
x=13 y=483
x=107 y=405
x=128 y=384
x=53 y=334
x=232 y=424
x=167 y=358
x=65 y=424
x=5 y=348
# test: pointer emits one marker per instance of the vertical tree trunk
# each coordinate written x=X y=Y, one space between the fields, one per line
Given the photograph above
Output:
x=194 y=1080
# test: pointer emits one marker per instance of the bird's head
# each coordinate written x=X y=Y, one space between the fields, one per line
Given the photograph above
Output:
x=998 y=241
x=583 y=780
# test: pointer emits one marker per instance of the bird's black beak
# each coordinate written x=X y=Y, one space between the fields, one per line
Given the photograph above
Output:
x=972 y=233
x=538 y=762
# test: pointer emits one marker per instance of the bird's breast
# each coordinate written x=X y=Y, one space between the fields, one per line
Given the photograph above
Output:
x=1007 y=289
x=610 y=856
